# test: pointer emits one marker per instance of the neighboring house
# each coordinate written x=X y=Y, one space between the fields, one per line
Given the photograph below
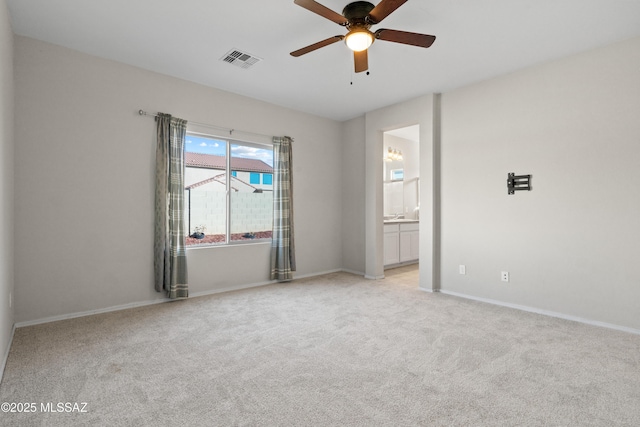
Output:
x=251 y=201
x=219 y=183
x=255 y=174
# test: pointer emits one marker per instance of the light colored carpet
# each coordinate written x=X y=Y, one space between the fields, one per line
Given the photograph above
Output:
x=333 y=350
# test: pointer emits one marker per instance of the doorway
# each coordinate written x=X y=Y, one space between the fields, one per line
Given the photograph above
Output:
x=424 y=111
x=401 y=196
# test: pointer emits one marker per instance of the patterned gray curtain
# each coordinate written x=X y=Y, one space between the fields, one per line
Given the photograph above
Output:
x=170 y=257
x=283 y=258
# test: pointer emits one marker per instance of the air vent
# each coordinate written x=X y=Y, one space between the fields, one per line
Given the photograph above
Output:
x=240 y=59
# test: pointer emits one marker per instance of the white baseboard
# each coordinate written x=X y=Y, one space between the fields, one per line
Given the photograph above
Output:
x=357 y=273
x=544 y=312
x=319 y=273
x=135 y=305
x=230 y=289
x=401 y=264
x=90 y=312
x=255 y=285
x=159 y=301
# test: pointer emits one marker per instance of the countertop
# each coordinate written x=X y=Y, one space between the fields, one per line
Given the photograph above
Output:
x=401 y=221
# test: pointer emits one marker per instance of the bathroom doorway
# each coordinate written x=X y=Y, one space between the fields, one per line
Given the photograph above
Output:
x=401 y=196
x=425 y=112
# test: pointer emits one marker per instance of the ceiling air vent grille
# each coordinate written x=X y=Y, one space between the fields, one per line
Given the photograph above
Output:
x=240 y=59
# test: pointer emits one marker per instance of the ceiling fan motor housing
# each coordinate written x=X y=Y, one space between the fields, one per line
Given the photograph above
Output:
x=357 y=12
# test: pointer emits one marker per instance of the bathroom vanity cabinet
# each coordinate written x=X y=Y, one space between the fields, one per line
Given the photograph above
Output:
x=401 y=242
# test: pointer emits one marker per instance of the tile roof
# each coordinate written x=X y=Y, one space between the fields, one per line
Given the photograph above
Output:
x=221 y=179
x=211 y=161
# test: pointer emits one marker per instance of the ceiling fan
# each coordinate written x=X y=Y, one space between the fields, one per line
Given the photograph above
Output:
x=358 y=17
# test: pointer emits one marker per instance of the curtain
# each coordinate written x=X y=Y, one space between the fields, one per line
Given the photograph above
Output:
x=283 y=259
x=170 y=257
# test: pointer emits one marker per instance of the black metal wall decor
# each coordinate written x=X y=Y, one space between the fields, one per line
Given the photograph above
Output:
x=518 y=183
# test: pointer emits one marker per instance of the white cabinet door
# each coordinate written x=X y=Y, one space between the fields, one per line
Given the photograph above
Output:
x=405 y=246
x=409 y=245
x=415 y=245
x=391 y=248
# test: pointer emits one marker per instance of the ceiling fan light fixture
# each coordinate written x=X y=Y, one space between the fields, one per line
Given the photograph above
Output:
x=359 y=39
x=358 y=17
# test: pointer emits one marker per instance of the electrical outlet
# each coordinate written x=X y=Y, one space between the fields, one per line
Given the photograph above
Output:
x=462 y=269
x=505 y=276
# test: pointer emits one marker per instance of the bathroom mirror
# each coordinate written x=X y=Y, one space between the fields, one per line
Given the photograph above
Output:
x=396 y=175
x=401 y=174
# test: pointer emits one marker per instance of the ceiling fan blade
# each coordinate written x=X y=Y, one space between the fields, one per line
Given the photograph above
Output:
x=405 y=37
x=312 y=47
x=321 y=10
x=361 y=60
x=384 y=9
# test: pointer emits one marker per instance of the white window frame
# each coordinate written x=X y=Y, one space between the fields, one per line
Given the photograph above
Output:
x=198 y=132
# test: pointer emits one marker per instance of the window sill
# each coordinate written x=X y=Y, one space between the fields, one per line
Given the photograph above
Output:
x=231 y=244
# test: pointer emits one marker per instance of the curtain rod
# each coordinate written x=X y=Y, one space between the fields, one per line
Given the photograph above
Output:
x=229 y=130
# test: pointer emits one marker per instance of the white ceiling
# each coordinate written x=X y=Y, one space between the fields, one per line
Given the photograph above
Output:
x=410 y=133
x=476 y=40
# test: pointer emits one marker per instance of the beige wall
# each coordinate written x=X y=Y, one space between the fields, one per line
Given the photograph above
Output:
x=84 y=185
x=6 y=182
x=353 y=190
x=572 y=244
x=85 y=163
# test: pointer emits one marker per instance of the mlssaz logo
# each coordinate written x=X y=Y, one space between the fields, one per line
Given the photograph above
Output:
x=64 y=407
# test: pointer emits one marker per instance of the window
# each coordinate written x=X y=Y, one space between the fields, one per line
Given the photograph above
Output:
x=267 y=179
x=221 y=207
x=397 y=174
